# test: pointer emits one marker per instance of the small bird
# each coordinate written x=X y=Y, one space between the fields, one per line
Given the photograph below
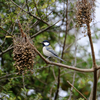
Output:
x=48 y=51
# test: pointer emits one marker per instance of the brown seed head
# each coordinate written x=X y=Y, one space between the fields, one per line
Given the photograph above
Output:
x=84 y=11
x=24 y=54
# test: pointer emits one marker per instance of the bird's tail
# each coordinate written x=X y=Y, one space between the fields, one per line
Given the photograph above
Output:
x=60 y=59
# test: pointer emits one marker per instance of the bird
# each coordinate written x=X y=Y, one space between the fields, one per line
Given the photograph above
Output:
x=48 y=51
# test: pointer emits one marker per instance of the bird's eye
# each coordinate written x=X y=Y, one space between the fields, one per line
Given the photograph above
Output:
x=46 y=43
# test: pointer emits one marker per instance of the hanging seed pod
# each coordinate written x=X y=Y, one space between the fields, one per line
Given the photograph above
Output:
x=84 y=11
x=24 y=54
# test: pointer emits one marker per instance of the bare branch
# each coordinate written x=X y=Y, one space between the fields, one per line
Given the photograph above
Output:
x=7 y=75
x=5 y=31
x=74 y=66
x=27 y=5
x=41 y=31
x=77 y=90
x=94 y=63
x=8 y=49
x=92 y=48
x=61 y=65
x=62 y=51
x=30 y=13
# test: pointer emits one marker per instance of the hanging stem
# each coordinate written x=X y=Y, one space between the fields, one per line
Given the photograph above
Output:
x=62 y=52
x=94 y=63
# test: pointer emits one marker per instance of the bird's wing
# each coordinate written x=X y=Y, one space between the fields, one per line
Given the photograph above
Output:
x=49 y=48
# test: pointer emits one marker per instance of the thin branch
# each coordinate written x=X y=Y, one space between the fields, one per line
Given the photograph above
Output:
x=77 y=90
x=27 y=5
x=94 y=63
x=13 y=29
x=3 y=42
x=30 y=13
x=51 y=90
x=66 y=29
x=58 y=84
x=53 y=63
x=10 y=48
x=74 y=66
x=41 y=31
x=7 y=75
x=61 y=65
x=39 y=21
x=98 y=75
x=5 y=31
x=62 y=52
x=92 y=48
x=23 y=80
x=54 y=74
x=98 y=67
x=36 y=8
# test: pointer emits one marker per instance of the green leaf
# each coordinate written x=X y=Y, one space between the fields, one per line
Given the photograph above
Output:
x=44 y=6
x=53 y=0
x=96 y=36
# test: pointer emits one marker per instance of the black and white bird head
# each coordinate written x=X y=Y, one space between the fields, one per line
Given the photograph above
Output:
x=46 y=43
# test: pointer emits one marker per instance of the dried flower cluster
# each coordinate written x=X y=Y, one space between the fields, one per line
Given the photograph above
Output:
x=84 y=12
x=24 y=54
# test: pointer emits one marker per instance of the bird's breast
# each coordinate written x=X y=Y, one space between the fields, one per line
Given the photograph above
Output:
x=47 y=53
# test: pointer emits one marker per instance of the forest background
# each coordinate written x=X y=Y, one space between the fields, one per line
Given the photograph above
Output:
x=72 y=34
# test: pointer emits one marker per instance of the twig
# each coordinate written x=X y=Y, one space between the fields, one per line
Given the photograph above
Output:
x=62 y=52
x=61 y=65
x=6 y=50
x=23 y=80
x=53 y=63
x=91 y=94
x=30 y=13
x=5 y=31
x=92 y=48
x=41 y=31
x=13 y=29
x=27 y=5
x=37 y=8
x=72 y=87
x=74 y=66
x=3 y=42
x=31 y=37
x=51 y=90
x=54 y=74
x=77 y=90
x=58 y=84
x=7 y=75
x=94 y=63
x=39 y=21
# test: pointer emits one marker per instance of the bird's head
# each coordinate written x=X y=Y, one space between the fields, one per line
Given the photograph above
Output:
x=46 y=43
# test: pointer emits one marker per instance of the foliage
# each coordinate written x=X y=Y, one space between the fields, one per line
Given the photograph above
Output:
x=35 y=17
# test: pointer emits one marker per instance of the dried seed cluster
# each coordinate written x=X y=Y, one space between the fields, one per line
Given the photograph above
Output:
x=83 y=14
x=24 y=54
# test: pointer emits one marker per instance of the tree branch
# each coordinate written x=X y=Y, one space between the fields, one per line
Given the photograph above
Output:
x=10 y=48
x=62 y=52
x=5 y=31
x=94 y=64
x=30 y=13
x=41 y=31
x=61 y=65
x=77 y=90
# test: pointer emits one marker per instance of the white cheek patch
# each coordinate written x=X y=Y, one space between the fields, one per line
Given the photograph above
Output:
x=46 y=43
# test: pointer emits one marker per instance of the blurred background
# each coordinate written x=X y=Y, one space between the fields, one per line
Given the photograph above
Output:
x=56 y=21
